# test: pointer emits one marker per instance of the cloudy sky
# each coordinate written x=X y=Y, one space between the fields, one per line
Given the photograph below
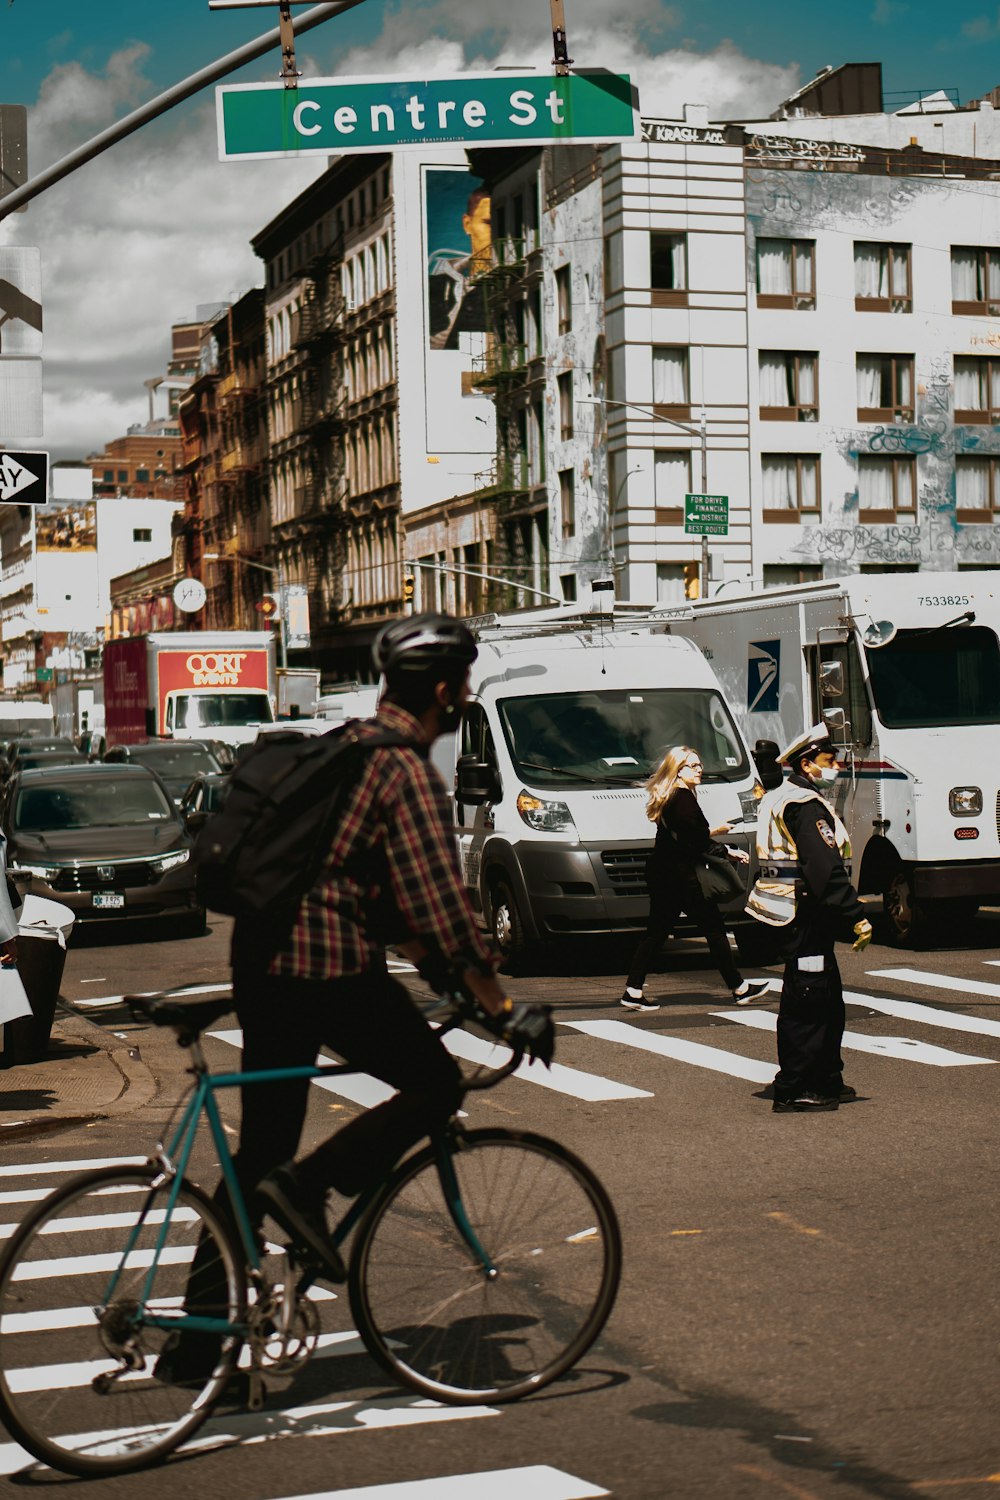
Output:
x=136 y=240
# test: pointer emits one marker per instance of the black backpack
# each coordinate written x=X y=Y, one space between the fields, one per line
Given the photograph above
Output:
x=264 y=849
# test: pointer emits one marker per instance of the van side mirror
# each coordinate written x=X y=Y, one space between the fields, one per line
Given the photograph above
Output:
x=831 y=679
x=765 y=754
x=478 y=781
x=838 y=724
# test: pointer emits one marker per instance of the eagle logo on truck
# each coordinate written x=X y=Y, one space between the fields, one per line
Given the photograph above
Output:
x=216 y=668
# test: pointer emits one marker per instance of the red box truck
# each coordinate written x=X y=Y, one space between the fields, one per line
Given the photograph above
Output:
x=189 y=685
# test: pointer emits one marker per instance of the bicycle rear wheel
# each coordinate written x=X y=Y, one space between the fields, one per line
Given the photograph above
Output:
x=435 y=1318
x=79 y=1281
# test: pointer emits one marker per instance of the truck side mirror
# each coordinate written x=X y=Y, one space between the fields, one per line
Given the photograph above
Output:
x=831 y=679
x=477 y=781
x=838 y=724
x=151 y=723
x=765 y=754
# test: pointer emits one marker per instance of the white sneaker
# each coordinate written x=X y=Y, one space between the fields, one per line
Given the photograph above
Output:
x=751 y=989
x=638 y=1002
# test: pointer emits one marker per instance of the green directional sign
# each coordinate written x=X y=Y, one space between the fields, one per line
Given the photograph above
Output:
x=706 y=515
x=338 y=115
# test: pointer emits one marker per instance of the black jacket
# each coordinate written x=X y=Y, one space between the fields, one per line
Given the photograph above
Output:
x=829 y=906
x=683 y=838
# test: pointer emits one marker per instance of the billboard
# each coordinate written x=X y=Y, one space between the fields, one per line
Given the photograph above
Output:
x=457 y=221
x=66 y=528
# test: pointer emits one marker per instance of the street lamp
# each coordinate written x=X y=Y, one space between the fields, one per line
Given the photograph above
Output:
x=700 y=432
x=238 y=557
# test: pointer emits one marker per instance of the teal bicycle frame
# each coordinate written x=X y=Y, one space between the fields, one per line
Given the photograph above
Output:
x=174 y=1161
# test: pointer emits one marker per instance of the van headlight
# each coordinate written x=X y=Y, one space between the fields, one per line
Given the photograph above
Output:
x=965 y=801
x=170 y=861
x=543 y=816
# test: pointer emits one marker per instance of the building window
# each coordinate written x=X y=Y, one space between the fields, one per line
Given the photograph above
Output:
x=142 y=534
x=567 y=502
x=789 y=386
x=977 y=488
x=670 y=583
x=977 y=390
x=671 y=482
x=567 y=582
x=975 y=280
x=786 y=274
x=882 y=277
x=885 y=387
x=781 y=575
x=668 y=269
x=565 y=384
x=791 y=485
x=109 y=476
x=887 y=489
x=564 y=298
x=123 y=476
x=142 y=476
x=671 y=383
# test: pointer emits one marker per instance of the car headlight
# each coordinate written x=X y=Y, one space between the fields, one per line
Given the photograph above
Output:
x=40 y=872
x=543 y=816
x=965 y=801
x=170 y=861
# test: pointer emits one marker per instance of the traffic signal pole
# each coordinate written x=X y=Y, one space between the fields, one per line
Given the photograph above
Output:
x=166 y=101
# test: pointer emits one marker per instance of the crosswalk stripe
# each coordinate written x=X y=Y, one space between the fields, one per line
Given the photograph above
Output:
x=912 y=1010
x=883 y=1046
x=940 y=981
x=87 y=1222
x=94 y=1002
x=535 y=1482
x=35 y=1195
x=88 y=1265
x=677 y=1048
x=48 y=1168
x=357 y=1087
x=326 y=1419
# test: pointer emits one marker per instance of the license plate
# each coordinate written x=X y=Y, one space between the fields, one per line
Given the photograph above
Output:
x=107 y=899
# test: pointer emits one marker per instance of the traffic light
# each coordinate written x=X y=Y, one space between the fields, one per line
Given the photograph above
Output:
x=269 y=606
x=408 y=585
x=692 y=580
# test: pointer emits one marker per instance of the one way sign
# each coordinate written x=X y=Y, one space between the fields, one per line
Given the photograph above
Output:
x=24 y=478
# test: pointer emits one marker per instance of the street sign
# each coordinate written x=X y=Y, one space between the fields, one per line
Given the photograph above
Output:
x=43 y=674
x=326 y=115
x=706 y=515
x=24 y=477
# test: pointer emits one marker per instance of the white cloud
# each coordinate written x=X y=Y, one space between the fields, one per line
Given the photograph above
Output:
x=135 y=240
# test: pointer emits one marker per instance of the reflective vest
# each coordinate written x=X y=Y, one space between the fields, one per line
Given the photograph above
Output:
x=774 y=897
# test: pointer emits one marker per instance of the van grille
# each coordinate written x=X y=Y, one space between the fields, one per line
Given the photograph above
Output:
x=626 y=870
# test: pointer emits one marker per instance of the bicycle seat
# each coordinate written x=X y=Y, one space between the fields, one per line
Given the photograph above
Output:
x=189 y=1014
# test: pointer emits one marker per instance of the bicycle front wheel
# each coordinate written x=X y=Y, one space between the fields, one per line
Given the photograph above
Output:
x=92 y=1292
x=448 y=1325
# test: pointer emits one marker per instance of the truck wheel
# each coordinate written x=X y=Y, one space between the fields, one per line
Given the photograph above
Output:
x=507 y=926
x=909 y=920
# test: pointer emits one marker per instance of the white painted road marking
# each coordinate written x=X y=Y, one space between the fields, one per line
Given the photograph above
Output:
x=537 y=1482
x=40 y=1168
x=883 y=1046
x=677 y=1048
x=940 y=981
x=912 y=1010
x=92 y=1002
x=357 y=1087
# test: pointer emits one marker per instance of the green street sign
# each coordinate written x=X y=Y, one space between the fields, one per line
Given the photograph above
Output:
x=706 y=515
x=339 y=115
x=43 y=674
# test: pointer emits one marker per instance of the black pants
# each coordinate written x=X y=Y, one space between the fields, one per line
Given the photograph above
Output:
x=810 y=1029
x=666 y=902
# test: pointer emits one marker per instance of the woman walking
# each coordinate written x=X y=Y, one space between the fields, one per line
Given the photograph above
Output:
x=683 y=839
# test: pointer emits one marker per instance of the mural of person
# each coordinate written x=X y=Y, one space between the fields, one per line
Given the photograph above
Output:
x=455 y=303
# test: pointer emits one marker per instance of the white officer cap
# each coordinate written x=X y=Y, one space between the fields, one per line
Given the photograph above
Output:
x=816 y=738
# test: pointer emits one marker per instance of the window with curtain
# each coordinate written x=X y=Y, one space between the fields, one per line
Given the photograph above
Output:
x=567 y=501
x=790 y=484
x=977 y=389
x=882 y=277
x=670 y=377
x=887 y=487
x=788 y=386
x=671 y=479
x=786 y=275
x=565 y=384
x=564 y=299
x=975 y=279
x=885 y=387
x=977 y=491
x=670 y=583
x=668 y=267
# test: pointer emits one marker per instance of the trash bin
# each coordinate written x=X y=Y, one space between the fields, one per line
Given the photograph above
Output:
x=43 y=930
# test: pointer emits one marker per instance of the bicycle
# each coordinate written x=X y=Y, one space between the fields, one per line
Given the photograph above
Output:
x=482 y=1267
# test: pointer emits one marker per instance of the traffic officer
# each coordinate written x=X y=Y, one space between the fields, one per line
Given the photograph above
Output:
x=805 y=887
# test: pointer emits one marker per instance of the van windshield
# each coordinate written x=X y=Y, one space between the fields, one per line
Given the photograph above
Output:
x=616 y=738
x=930 y=678
x=212 y=710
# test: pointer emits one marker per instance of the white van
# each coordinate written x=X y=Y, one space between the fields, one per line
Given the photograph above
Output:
x=565 y=722
x=906 y=671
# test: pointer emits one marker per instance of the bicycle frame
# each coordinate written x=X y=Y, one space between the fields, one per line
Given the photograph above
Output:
x=175 y=1159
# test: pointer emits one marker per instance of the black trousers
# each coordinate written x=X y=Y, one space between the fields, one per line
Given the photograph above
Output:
x=810 y=1029
x=666 y=902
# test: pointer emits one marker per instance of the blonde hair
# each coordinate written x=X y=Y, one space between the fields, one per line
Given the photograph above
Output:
x=663 y=783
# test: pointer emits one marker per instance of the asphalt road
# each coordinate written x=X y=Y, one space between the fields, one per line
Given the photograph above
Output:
x=810 y=1306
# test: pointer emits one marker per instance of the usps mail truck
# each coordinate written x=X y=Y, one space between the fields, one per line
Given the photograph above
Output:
x=905 y=669
x=566 y=721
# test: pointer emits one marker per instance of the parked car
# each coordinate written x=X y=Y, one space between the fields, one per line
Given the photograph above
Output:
x=91 y=743
x=174 y=761
x=33 y=744
x=104 y=839
x=204 y=796
x=42 y=759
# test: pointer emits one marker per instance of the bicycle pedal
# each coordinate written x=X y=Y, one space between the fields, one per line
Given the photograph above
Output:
x=257 y=1393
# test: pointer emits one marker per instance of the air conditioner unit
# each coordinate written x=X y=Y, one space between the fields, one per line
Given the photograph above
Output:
x=900 y=304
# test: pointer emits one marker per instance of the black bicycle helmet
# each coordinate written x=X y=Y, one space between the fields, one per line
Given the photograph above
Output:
x=423 y=643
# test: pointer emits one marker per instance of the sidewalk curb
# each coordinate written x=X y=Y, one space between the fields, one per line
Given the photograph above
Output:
x=138 y=1085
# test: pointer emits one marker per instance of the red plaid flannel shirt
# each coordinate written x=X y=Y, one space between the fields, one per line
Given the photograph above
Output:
x=402 y=877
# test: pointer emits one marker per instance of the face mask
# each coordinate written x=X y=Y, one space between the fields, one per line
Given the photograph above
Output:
x=825 y=776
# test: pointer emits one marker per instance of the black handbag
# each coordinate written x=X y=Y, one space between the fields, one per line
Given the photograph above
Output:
x=718 y=878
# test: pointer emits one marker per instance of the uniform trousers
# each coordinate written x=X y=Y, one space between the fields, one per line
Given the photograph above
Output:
x=810 y=1028
x=666 y=902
